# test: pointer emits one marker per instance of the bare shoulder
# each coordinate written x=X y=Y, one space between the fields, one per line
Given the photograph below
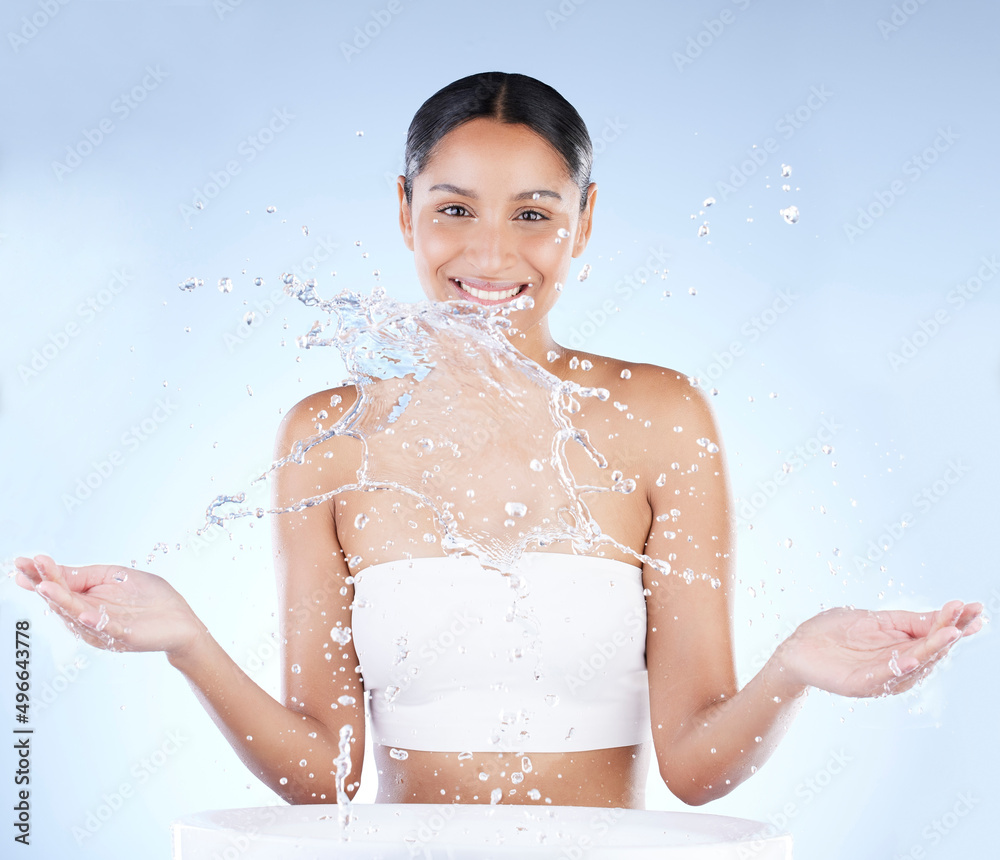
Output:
x=650 y=389
x=323 y=408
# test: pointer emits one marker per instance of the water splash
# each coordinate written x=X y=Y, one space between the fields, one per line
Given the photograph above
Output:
x=343 y=764
x=417 y=368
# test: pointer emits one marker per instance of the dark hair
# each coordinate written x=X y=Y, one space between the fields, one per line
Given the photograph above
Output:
x=510 y=98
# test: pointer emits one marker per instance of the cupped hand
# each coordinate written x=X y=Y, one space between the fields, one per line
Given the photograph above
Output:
x=112 y=607
x=855 y=652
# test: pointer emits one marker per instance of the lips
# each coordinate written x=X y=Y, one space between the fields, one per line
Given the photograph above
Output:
x=488 y=292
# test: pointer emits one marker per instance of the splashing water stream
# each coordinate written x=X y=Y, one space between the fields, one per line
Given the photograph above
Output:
x=449 y=370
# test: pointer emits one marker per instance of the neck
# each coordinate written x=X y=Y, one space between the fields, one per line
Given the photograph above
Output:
x=536 y=343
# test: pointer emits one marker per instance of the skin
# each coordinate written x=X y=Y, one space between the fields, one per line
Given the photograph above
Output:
x=470 y=218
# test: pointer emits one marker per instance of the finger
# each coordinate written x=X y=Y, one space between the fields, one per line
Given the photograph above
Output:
x=923 y=650
x=22 y=579
x=918 y=625
x=971 y=619
x=69 y=603
x=26 y=568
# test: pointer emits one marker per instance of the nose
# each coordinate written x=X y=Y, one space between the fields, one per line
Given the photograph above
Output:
x=490 y=250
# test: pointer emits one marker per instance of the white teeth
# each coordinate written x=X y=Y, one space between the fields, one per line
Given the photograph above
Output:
x=489 y=295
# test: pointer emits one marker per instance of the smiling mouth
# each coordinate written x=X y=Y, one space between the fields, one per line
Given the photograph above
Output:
x=487 y=291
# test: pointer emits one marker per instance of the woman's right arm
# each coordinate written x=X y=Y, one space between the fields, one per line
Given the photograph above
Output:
x=290 y=747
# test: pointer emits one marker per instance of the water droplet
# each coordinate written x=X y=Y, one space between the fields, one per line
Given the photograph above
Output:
x=190 y=284
x=495 y=796
x=559 y=286
x=360 y=521
x=347 y=700
x=786 y=171
x=790 y=214
x=586 y=365
x=536 y=466
x=535 y=196
x=662 y=479
x=258 y=282
x=225 y=285
x=526 y=764
x=515 y=509
x=283 y=780
x=562 y=233
x=302 y=763
x=708 y=202
x=399 y=755
x=551 y=700
x=483 y=776
x=758 y=739
x=788 y=543
x=517 y=777
x=296 y=668
x=626 y=374
x=305 y=230
x=271 y=210
x=360 y=133
x=341 y=635
x=703 y=229
x=584 y=272
x=827 y=449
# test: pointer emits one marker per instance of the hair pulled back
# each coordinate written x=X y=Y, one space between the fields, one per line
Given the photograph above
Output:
x=509 y=98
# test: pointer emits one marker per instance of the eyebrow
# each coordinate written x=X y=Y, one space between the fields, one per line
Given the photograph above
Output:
x=523 y=195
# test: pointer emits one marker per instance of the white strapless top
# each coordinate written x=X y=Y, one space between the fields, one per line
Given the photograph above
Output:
x=458 y=658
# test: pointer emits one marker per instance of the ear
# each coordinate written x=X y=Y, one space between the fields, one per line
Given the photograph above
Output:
x=586 y=221
x=405 y=217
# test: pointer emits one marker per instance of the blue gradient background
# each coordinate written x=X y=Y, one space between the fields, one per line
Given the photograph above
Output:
x=680 y=132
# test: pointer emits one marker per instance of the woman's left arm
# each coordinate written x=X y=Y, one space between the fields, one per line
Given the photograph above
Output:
x=710 y=736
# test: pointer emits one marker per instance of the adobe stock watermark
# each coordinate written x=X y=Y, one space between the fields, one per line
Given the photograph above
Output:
x=264 y=308
x=923 y=500
x=625 y=288
x=609 y=133
x=600 y=826
x=753 y=329
x=912 y=169
x=928 y=329
x=938 y=828
x=899 y=15
x=225 y=7
x=378 y=21
x=701 y=41
x=131 y=440
x=786 y=127
x=31 y=27
x=122 y=108
x=561 y=13
x=801 y=455
x=247 y=151
x=805 y=793
x=428 y=830
x=604 y=653
x=66 y=675
x=428 y=652
x=87 y=312
x=141 y=773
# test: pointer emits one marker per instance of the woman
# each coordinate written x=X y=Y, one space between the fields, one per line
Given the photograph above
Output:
x=495 y=203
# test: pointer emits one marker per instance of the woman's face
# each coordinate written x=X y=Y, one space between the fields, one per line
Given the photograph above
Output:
x=494 y=214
